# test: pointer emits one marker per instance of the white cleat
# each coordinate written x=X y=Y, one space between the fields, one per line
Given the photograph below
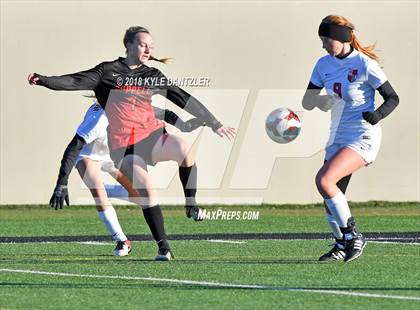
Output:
x=123 y=248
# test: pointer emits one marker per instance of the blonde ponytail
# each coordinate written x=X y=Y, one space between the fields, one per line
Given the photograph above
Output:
x=90 y=95
x=162 y=60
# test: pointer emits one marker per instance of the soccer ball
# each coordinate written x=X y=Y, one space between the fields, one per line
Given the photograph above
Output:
x=282 y=125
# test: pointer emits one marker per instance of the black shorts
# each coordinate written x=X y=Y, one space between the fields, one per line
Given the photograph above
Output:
x=143 y=148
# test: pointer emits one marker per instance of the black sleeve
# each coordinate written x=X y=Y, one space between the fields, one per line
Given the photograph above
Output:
x=168 y=116
x=391 y=99
x=84 y=80
x=313 y=86
x=159 y=113
x=311 y=96
x=69 y=158
x=172 y=118
x=190 y=104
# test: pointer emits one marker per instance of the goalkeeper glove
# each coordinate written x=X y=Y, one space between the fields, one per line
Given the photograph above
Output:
x=59 y=196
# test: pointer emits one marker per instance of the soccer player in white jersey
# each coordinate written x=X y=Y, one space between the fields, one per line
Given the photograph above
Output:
x=350 y=75
x=89 y=152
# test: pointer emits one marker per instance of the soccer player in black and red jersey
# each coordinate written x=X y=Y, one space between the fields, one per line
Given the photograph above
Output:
x=88 y=151
x=124 y=88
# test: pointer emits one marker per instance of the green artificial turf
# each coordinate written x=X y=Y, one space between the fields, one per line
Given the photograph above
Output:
x=283 y=270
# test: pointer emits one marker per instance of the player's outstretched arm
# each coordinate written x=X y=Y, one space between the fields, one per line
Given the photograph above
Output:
x=84 y=80
x=60 y=194
x=228 y=132
x=172 y=118
x=193 y=106
x=196 y=108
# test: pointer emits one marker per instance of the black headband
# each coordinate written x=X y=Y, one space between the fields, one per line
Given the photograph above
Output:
x=336 y=32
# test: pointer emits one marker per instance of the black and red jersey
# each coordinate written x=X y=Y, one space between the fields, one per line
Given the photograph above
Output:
x=126 y=95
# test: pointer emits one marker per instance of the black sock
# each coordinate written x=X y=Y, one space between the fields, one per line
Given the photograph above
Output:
x=188 y=177
x=154 y=219
x=343 y=183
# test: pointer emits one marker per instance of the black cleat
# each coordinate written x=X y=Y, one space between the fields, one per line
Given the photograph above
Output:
x=354 y=247
x=194 y=212
x=164 y=255
x=335 y=254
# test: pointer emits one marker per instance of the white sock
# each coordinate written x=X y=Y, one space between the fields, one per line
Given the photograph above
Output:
x=110 y=219
x=339 y=208
x=334 y=226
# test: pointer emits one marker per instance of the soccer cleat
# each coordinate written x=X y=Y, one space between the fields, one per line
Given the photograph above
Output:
x=164 y=255
x=354 y=247
x=336 y=253
x=194 y=212
x=123 y=248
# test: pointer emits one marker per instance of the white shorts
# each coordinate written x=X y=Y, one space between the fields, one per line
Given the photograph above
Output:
x=107 y=165
x=366 y=144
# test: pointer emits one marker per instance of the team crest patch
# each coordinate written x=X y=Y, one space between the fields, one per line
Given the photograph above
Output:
x=352 y=75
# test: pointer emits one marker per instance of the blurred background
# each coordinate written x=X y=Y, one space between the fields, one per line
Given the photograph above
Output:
x=258 y=56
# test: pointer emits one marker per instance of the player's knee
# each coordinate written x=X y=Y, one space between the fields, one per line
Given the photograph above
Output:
x=323 y=182
x=146 y=199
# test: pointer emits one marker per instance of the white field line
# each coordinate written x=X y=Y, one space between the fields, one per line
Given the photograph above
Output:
x=94 y=243
x=376 y=240
x=214 y=241
x=214 y=284
x=393 y=242
x=55 y=242
x=391 y=238
x=226 y=241
x=370 y=240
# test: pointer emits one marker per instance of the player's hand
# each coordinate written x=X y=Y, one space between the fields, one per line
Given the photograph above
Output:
x=372 y=117
x=33 y=78
x=228 y=132
x=59 y=196
x=191 y=125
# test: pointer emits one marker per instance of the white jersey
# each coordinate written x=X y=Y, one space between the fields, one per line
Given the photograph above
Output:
x=93 y=130
x=355 y=79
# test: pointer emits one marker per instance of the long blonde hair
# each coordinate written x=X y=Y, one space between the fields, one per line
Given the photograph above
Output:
x=355 y=43
x=162 y=60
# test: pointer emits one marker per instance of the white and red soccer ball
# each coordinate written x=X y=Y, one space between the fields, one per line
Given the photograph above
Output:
x=282 y=125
